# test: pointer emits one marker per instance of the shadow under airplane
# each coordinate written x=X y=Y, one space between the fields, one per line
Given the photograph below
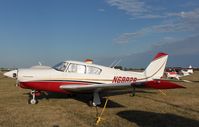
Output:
x=86 y=98
x=152 y=119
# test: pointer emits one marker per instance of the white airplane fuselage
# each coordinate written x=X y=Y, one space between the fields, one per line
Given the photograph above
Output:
x=51 y=79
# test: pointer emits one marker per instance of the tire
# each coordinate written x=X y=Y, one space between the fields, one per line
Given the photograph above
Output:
x=31 y=101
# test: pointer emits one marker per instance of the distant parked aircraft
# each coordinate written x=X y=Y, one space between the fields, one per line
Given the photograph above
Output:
x=177 y=73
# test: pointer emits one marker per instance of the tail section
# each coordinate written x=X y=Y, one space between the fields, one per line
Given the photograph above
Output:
x=155 y=69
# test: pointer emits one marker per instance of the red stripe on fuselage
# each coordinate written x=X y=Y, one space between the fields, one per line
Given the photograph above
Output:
x=51 y=86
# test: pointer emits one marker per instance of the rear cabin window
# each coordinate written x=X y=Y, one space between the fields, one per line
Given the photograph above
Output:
x=93 y=70
x=77 y=68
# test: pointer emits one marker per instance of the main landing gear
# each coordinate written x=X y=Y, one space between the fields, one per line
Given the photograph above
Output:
x=96 y=100
x=133 y=92
x=95 y=103
x=33 y=100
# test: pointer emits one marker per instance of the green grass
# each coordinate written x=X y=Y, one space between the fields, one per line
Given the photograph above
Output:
x=179 y=108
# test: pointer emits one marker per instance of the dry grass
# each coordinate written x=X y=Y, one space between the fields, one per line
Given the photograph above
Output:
x=180 y=108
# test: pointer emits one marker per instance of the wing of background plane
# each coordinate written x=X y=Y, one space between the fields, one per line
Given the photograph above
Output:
x=155 y=84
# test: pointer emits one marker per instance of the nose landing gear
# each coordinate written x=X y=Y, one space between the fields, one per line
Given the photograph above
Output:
x=33 y=100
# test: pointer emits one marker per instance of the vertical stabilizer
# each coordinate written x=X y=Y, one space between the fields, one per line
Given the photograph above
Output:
x=155 y=69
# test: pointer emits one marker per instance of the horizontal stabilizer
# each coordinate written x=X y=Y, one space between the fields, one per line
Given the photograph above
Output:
x=162 y=84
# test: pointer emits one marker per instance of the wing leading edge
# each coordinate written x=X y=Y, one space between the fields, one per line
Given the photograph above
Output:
x=93 y=87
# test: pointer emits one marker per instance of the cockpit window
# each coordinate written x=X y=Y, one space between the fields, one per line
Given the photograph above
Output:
x=77 y=68
x=61 y=66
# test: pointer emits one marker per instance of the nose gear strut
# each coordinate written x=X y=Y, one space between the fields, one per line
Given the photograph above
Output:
x=33 y=100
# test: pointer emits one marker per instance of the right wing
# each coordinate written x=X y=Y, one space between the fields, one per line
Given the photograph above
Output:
x=93 y=87
x=155 y=84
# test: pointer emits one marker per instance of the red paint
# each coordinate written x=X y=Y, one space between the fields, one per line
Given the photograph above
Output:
x=38 y=94
x=161 y=84
x=51 y=86
x=172 y=73
x=159 y=55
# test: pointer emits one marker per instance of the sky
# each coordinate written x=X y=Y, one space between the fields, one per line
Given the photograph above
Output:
x=132 y=31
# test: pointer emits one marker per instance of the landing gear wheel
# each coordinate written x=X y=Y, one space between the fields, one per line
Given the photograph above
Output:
x=95 y=100
x=92 y=104
x=32 y=101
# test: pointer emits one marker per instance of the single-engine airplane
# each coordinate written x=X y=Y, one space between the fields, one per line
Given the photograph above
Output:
x=80 y=77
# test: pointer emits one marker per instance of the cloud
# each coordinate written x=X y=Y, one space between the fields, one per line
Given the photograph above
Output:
x=148 y=16
x=132 y=7
x=125 y=37
x=171 y=21
x=185 y=46
x=181 y=53
x=178 y=22
x=137 y=9
x=183 y=21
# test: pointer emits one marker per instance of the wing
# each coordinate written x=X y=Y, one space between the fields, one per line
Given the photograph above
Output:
x=93 y=87
x=155 y=84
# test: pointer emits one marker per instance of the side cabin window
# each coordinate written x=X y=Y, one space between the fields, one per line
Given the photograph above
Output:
x=77 y=68
x=93 y=70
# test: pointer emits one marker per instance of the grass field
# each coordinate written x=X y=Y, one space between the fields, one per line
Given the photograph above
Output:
x=149 y=108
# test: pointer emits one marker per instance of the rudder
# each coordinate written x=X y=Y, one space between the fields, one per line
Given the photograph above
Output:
x=155 y=69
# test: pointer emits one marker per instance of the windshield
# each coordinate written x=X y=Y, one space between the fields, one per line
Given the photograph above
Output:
x=61 y=66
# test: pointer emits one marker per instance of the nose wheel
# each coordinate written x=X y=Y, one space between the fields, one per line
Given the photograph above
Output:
x=33 y=100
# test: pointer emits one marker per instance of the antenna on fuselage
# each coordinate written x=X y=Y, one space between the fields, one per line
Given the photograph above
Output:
x=116 y=63
x=111 y=65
